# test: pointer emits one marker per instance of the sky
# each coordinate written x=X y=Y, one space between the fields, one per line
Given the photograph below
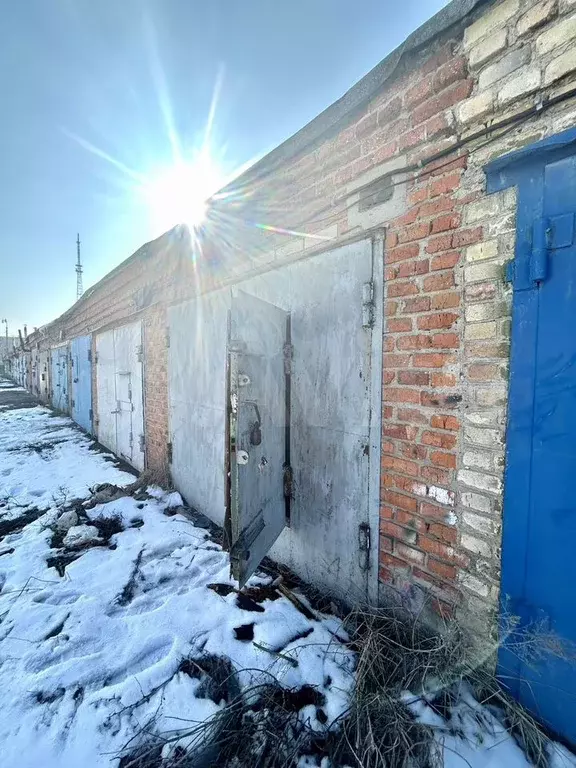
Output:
x=99 y=99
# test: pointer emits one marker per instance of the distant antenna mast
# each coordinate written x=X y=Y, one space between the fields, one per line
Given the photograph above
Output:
x=79 y=288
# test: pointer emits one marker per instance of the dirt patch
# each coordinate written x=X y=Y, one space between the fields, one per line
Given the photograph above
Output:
x=16 y=524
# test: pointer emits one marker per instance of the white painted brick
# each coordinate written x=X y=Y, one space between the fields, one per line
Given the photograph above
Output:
x=492 y=395
x=503 y=67
x=556 y=36
x=478 y=546
x=476 y=501
x=474 y=584
x=475 y=107
x=484 y=271
x=490 y=20
x=487 y=48
x=487 y=206
x=560 y=66
x=479 y=331
x=487 y=310
x=480 y=480
x=480 y=251
x=521 y=85
x=478 y=459
x=480 y=436
x=538 y=15
x=485 y=418
x=478 y=523
x=500 y=225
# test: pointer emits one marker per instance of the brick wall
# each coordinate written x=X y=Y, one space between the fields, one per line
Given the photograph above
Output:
x=447 y=306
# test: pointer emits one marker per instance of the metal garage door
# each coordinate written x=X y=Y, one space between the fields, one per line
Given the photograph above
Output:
x=81 y=381
x=119 y=392
x=538 y=563
x=60 y=399
x=335 y=321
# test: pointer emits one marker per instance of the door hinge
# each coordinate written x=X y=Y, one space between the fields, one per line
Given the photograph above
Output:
x=89 y=355
x=540 y=245
x=364 y=544
x=91 y=415
x=142 y=443
x=288 y=357
x=140 y=353
x=131 y=441
x=240 y=550
x=169 y=452
x=368 y=304
x=288 y=482
x=167 y=338
x=96 y=357
x=73 y=403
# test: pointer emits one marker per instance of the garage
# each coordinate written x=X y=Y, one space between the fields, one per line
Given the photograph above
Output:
x=119 y=392
x=81 y=381
x=59 y=370
x=274 y=408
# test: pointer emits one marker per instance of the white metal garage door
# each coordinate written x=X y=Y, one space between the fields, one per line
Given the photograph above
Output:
x=335 y=308
x=119 y=392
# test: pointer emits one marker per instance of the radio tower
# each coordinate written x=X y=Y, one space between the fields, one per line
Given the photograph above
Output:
x=79 y=288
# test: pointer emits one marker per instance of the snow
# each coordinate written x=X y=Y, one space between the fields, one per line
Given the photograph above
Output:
x=91 y=660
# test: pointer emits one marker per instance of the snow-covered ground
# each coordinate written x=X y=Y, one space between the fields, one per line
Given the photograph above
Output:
x=106 y=609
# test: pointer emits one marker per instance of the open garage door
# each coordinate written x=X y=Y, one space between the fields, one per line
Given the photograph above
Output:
x=119 y=392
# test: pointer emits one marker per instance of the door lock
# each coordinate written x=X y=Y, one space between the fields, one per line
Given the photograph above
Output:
x=242 y=458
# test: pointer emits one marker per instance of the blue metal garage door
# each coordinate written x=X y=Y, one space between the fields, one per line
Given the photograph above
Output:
x=81 y=388
x=538 y=557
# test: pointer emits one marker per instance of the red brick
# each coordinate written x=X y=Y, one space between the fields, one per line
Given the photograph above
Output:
x=442 y=569
x=433 y=547
x=443 y=380
x=391 y=561
x=445 y=185
x=419 y=304
x=402 y=289
x=414 y=232
x=385 y=544
x=408 y=553
x=442 y=166
x=447 y=98
x=419 y=341
x=417 y=452
x=367 y=125
x=388 y=447
x=390 y=308
x=445 y=533
x=410 y=268
x=437 y=126
x=399 y=325
x=445 y=223
x=418 y=378
x=449 y=73
x=434 y=207
x=400 y=431
x=412 y=415
x=385 y=152
x=386 y=512
x=389 y=112
x=433 y=360
x=396 y=361
x=409 y=217
x=432 y=511
x=445 y=341
x=445 y=260
x=445 y=422
x=439 y=440
x=418 y=195
x=447 y=460
x=440 y=243
x=445 y=300
x=387 y=412
x=439 y=282
x=466 y=237
x=438 y=320
x=442 y=56
x=399 y=395
x=388 y=377
x=423 y=89
x=400 y=465
x=435 y=475
x=410 y=521
x=411 y=138
x=401 y=253
x=391 y=529
x=480 y=291
x=388 y=344
x=401 y=501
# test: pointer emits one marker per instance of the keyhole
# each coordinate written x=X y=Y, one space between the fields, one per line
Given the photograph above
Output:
x=255 y=434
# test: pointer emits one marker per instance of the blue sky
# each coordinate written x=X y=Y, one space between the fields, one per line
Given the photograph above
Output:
x=114 y=74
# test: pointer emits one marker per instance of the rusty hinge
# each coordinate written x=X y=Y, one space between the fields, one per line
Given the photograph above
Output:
x=96 y=357
x=140 y=353
x=364 y=546
x=91 y=415
x=288 y=356
x=73 y=403
x=169 y=452
x=368 y=304
x=89 y=355
x=167 y=337
x=142 y=443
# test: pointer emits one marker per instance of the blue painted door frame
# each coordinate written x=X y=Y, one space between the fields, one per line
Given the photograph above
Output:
x=539 y=517
x=81 y=386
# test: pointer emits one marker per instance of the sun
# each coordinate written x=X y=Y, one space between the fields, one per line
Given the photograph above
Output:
x=179 y=194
